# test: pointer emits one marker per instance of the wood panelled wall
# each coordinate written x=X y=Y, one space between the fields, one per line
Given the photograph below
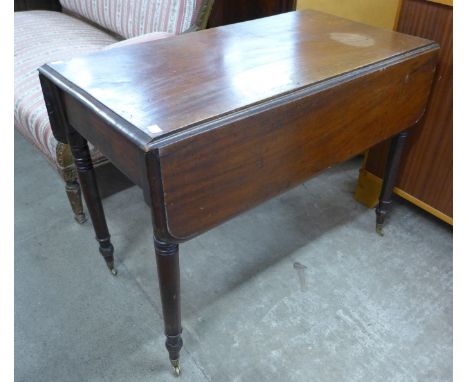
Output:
x=25 y=5
x=425 y=176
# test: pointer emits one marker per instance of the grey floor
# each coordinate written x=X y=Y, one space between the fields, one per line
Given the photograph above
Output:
x=298 y=289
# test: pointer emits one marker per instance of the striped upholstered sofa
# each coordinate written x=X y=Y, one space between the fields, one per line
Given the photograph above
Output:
x=84 y=26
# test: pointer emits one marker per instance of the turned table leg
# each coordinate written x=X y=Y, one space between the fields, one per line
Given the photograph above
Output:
x=391 y=170
x=87 y=177
x=167 y=259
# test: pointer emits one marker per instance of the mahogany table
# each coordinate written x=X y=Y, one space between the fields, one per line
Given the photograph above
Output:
x=212 y=123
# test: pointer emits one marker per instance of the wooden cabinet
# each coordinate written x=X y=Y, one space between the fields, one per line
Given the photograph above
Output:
x=25 y=5
x=425 y=176
x=229 y=11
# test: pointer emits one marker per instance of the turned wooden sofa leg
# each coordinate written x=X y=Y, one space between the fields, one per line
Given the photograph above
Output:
x=67 y=171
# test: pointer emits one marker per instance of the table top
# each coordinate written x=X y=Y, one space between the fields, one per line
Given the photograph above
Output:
x=159 y=89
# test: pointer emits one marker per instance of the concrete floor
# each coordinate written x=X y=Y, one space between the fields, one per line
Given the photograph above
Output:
x=298 y=289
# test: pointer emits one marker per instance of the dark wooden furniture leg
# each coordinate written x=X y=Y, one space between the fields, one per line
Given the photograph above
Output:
x=87 y=177
x=391 y=170
x=167 y=259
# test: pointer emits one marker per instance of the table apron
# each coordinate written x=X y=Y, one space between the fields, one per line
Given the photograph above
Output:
x=214 y=175
x=123 y=153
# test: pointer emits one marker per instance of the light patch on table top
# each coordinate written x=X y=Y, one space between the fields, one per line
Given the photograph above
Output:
x=353 y=39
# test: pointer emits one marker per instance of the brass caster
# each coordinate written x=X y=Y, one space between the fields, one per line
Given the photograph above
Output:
x=110 y=266
x=379 y=229
x=175 y=366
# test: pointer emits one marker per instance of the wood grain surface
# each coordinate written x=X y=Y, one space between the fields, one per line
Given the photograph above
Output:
x=168 y=85
x=210 y=177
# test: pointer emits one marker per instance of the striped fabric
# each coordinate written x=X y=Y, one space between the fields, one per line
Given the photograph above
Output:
x=130 y=18
x=140 y=39
x=40 y=37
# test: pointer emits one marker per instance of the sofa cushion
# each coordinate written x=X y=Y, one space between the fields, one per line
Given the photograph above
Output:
x=140 y=39
x=40 y=37
x=130 y=18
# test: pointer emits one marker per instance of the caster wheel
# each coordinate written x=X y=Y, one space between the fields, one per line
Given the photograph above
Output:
x=379 y=229
x=176 y=367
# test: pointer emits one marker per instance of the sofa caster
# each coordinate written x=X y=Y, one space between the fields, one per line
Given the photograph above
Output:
x=74 y=197
x=80 y=219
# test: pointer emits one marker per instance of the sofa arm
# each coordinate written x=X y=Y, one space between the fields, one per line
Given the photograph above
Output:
x=29 y=5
